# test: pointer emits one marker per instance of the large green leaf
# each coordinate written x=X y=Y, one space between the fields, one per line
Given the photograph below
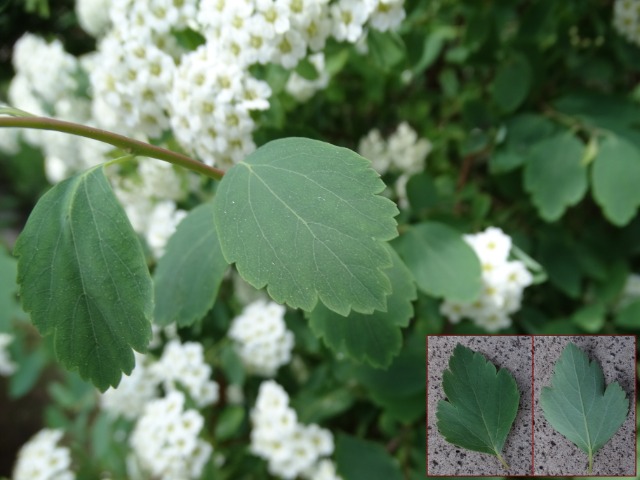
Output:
x=555 y=176
x=358 y=459
x=615 y=175
x=302 y=217
x=188 y=275
x=84 y=279
x=482 y=403
x=579 y=407
x=374 y=338
x=441 y=262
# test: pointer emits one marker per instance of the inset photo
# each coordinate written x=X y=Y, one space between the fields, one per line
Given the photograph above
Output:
x=584 y=414
x=479 y=405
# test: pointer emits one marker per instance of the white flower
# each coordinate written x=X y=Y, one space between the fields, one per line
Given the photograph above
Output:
x=130 y=397
x=41 y=459
x=387 y=14
x=183 y=365
x=7 y=367
x=503 y=282
x=290 y=48
x=93 y=16
x=290 y=448
x=349 y=17
x=165 y=439
x=302 y=89
x=626 y=19
x=261 y=338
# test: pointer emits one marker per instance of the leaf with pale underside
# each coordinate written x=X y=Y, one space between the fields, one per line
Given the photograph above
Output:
x=303 y=218
x=84 y=279
x=481 y=403
x=579 y=407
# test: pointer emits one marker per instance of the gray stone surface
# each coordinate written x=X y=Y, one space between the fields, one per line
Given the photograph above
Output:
x=511 y=352
x=553 y=453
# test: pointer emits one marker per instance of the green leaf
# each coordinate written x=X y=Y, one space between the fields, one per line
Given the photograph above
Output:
x=481 y=406
x=9 y=307
x=84 y=279
x=615 y=174
x=441 y=262
x=386 y=49
x=512 y=83
x=590 y=318
x=554 y=175
x=629 y=316
x=374 y=338
x=302 y=217
x=189 y=274
x=579 y=407
x=229 y=422
x=358 y=459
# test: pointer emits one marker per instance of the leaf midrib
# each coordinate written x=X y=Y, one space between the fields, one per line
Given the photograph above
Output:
x=584 y=414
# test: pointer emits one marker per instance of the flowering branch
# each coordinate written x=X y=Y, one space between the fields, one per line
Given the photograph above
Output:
x=130 y=145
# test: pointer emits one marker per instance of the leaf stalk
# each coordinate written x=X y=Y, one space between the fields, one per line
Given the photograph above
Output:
x=134 y=147
x=502 y=461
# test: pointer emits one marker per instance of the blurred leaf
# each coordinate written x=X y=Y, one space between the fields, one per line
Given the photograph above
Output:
x=232 y=365
x=399 y=390
x=306 y=69
x=522 y=133
x=433 y=44
x=558 y=256
x=375 y=338
x=615 y=175
x=189 y=274
x=629 y=316
x=590 y=318
x=84 y=278
x=554 y=176
x=302 y=218
x=29 y=369
x=315 y=406
x=441 y=262
x=512 y=83
x=229 y=422
x=358 y=459
x=386 y=49
x=9 y=306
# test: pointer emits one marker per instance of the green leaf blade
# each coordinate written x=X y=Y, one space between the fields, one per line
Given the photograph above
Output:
x=482 y=403
x=375 y=338
x=189 y=274
x=578 y=407
x=615 y=174
x=554 y=175
x=325 y=195
x=84 y=278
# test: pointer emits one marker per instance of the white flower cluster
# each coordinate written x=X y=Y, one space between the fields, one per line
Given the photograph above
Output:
x=7 y=367
x=165 y=440
x=42 y=459
x=503 y=282
x=626 y=19
x=302 y=89
x=133 y=393
x=290 y=448
x=261 y=338
x=403 y=154
x=45 y=84
x=181 y=365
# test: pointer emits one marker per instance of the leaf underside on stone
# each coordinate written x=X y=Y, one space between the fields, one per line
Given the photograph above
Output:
x=84 y=279
x=579 y=407
x=481 y=403
x=303 y=218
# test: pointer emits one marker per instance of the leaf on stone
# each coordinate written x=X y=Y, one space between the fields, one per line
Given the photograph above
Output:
x=615 y=174
x=375 y=338
x=481 y=403
x=303 y=218
x=579 y=407
x=189 y=274
x=84 y=279
x=441 y=262
x=554 y=175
